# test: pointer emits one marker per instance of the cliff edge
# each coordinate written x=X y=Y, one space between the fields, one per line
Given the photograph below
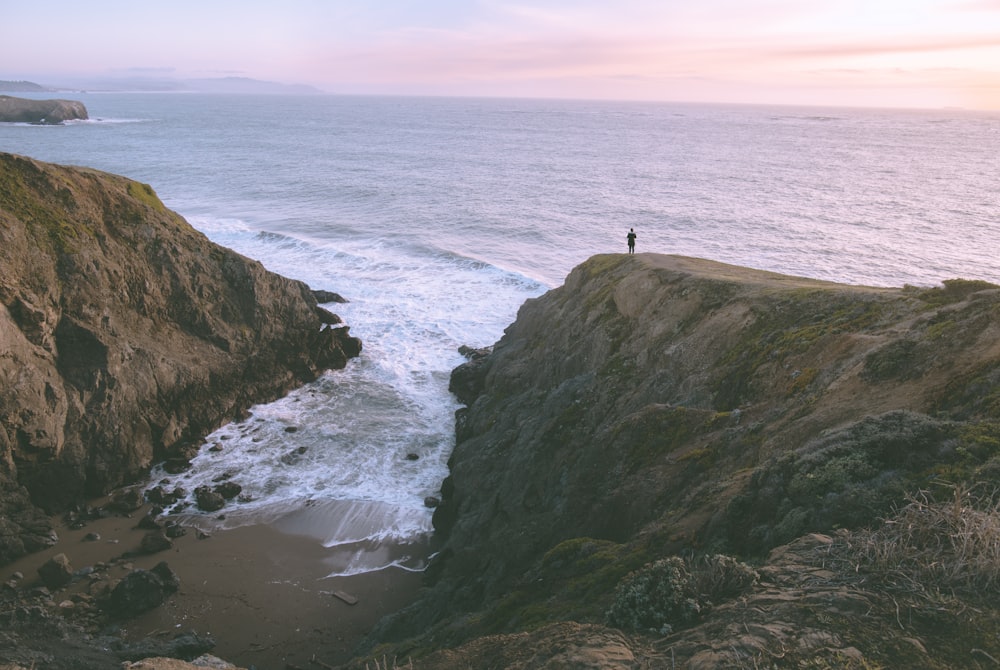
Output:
x=672 y=462
x=125 y=336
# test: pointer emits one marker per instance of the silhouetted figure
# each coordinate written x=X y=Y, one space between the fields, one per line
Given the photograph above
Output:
x=631 y=240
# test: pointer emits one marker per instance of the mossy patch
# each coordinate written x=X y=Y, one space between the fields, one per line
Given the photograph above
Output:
x=145 y=194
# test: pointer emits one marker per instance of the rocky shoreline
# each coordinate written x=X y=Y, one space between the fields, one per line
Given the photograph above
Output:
x=255 y=596
x=127 y=337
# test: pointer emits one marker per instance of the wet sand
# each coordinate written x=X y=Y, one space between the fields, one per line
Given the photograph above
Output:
x=261 y=593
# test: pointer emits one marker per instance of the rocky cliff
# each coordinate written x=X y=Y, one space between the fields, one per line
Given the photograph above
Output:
x=125 y=336
x=688 y=463
x=47 y=112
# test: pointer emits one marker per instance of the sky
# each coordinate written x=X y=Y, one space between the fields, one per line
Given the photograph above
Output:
x=883 y=53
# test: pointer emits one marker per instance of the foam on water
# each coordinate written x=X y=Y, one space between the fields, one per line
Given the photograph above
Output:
x=363 y=447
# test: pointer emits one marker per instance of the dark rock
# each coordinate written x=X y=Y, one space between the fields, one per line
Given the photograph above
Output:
x=468 y=379
x=160 y=496
x=293 y=456
x=208 y=500
x=175 y=466
x=228 y=490
x=412 y=457
x=291 y=429
x=56 y=572
x=155 y=541
x=431 y=502
x=91 y=537
x=141 y=591
x=327 y=317
x=126 y=501
x=175 y=530
x=148 y=522
x=45 y=112
x=328 y=296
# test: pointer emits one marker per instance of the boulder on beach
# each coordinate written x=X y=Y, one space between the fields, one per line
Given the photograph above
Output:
x=142 y=590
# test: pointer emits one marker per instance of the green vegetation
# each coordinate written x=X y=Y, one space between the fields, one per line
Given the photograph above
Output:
x=844 y=479
x=145 y=194
x=792 y=325
x=896 y=360
x=671 y=592
x=573 y=581
x=954 y=290
x=30 y=195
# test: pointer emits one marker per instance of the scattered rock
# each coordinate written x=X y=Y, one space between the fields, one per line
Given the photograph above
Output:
x=142 y=590
x=328 y=296
x=56 y=572
x=175 y=530
x=154 y=542
x=228 y=490
x=176 y=465
x=91 y=537
x=148 y=522
x=208 y=500
x=126 y=501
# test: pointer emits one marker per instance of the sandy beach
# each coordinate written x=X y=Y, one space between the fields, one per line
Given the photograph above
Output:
x=261 y=593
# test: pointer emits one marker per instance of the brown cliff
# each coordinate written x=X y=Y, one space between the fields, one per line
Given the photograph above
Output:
x=656 y=411
x=125 y=336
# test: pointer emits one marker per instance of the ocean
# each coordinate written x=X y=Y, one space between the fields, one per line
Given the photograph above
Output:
x=438 y=217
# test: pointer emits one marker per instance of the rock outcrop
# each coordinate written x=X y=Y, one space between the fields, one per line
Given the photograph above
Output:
x=659 y=406
x=125 y=336
x=45 y=112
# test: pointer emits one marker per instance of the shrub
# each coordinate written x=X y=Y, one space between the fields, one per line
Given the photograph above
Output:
x=671 y=592
x=655 y=597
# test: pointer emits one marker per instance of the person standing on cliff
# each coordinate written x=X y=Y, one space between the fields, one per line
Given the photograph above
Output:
x=631 y=240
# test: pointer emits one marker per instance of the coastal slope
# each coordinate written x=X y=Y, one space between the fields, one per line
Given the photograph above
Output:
x=671 y=460
x=125 y=337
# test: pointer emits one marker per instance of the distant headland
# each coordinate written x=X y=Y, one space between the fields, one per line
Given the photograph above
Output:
x=44 y=112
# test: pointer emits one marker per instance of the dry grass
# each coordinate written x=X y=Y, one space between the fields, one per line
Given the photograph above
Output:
x=384 y=665
x=950 y=546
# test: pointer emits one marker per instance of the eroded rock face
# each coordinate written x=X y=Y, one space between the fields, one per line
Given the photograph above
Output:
x=126 y=335
x=661 y=405
x=47 y=112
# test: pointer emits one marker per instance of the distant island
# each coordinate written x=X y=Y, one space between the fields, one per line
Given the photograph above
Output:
x=41 y=112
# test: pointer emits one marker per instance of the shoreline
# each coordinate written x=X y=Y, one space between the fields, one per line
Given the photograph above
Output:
x=263 y=594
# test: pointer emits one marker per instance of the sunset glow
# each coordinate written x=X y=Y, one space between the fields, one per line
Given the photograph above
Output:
x=914 y=53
